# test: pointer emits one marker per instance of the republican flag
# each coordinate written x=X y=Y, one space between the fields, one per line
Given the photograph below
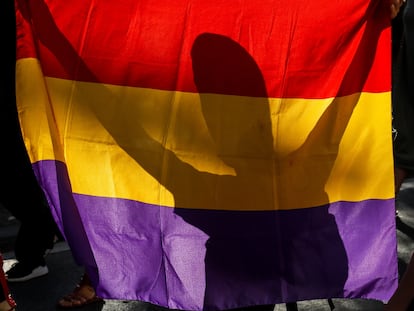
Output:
x=207 y=155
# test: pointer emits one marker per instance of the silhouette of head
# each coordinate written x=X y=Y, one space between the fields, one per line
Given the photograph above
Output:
x=233 y=97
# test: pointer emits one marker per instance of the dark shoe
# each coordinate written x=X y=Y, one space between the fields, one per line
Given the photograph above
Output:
x=21 y=273
x=291 y=306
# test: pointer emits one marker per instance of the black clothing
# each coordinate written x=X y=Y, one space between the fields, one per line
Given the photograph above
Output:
x=403 y=89
x=20 y=192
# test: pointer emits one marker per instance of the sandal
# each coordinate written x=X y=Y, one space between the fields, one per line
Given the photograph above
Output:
x=83 y=294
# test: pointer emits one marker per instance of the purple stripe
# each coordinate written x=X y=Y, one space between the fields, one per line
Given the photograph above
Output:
x=200 y=259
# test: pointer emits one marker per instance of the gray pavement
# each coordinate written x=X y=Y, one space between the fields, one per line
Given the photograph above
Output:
x=41 y=294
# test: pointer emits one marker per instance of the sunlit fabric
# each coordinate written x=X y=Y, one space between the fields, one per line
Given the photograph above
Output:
x=208 y=155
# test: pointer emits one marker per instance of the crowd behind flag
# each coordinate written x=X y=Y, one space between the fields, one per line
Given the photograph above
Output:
x=213 y=155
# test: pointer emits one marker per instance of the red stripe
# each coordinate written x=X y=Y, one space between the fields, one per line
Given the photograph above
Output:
x=309 y=49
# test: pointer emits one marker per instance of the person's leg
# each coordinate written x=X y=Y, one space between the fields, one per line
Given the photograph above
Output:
x=408 y=23
x=38 y=229
x=404 y=294
x=23 y=197
x=291 y=306
x=399 y=176
x=20 y=193
x=403 y=99
x=36 y=233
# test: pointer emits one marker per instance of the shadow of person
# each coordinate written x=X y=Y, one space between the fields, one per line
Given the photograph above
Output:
x=259 y=252
x=255 y=252
x=240 y=260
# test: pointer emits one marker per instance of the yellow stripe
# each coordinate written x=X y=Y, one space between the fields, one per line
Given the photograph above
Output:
x=209 y=151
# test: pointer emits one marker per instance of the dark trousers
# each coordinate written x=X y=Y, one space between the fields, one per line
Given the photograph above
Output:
x=403 y=90
x=20 y=192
